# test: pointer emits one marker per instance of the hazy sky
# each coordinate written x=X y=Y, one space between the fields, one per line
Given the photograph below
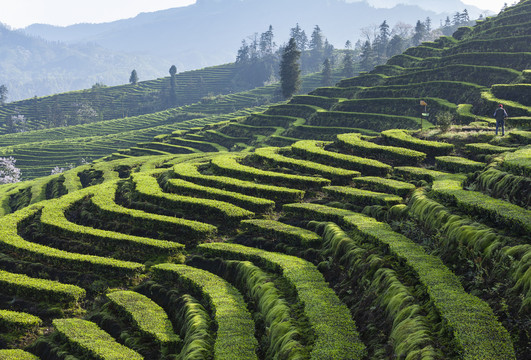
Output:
x=21 y=13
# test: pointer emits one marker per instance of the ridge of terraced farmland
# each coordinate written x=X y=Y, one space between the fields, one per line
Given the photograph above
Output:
x=330 y=226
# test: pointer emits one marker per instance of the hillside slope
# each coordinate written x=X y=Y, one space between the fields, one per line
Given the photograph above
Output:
x=374 y=244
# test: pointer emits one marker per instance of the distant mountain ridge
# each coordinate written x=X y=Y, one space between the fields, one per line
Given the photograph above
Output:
x=204 y=34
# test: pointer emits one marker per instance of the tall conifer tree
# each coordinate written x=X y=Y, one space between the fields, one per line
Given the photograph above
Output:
x=290 y=69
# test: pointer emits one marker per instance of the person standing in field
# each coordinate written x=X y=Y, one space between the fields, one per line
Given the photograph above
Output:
x=500 y=115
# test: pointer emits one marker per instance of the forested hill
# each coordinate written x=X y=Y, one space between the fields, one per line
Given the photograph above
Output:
x=359 y=232
x=204 y=34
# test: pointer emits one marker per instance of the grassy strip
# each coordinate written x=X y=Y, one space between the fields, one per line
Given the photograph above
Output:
x=503 y=185
x=91 y=341
x=279 y=194
x=402 y=138
x=273 y=157
x=314 y=151
x=354 y=143
x=146 y=315
x=103 y=199
x=11 y=241
x=418 y=173
x=362 y=197
x=230 y=166
x=235 y=327
x=148 y=189
x=485 y=148
x=254 y=204
x=336 y=335
x=390 y=186
x=54 y=221
x=283 y=335
x=519 y=162
x=410 y=332
x=40 y=289
x=16 y=354
x=284 y=232
x=16 y=321
x=195 y=329
x=474 y=326
x=472 y=202
x=458 y=164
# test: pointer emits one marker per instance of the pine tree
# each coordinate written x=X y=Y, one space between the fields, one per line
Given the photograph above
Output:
x=326 y=75
x=420 y=33
x=267 y=46
x=3 y=94
x=133 y=79
x=300 y=37
x=465 y=18
x=290 y=69
x=348 y=68
x=367 y=56
x=173 y=94
x=243 y=53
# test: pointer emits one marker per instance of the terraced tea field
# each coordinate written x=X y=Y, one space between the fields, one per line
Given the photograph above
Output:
x=327 y=227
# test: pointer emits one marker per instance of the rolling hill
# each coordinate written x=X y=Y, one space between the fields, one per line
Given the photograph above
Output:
x=335 y=228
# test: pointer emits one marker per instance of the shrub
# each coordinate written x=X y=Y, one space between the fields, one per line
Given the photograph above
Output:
x=286 y=233
x=89 y=340
x=458 y=164
x=235 y=327
x=399 y=188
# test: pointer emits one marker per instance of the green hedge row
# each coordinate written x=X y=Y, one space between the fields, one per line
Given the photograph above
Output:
x=271 y=120
x=480 y=75
x=87 y=339
x=473 y=324
x=279 y=194
x=104 y=200
x=254 y=204
x=365 y=79
x=409 y=333
x=502 y=185
x=11 y=241
x=196 y=144
x=146 y=316
x=418 y=173
x=273 y=157
x=457 y=164
x=520 y=93
x=229 y=165
x=53 y=221
x=326 y=133
x=406 y=61
x=283 y=232
x=17 y=321
x=398 y=137
x=296 y=110
x=148 y=189
x=521 y=136
x=374 y=183
x=495 y=210
x=486 y=148
x=517 y=61
x=319 y=101
x=40 y=289
x=314 y=151
x=361 y=197
x=398 y=155
x=456 y=92
x=16 y=354
x=235 y=327
x=519 y=162
x=520 y=122
x=336 y=92
x=283 y=334
x=376 y=122
x=505 y=44
x=336 y=335
x=395 y=106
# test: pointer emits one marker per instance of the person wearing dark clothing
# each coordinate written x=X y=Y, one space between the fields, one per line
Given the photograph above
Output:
x=500 y=114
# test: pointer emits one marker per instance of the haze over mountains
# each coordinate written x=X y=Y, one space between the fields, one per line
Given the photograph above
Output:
x=204 y=34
